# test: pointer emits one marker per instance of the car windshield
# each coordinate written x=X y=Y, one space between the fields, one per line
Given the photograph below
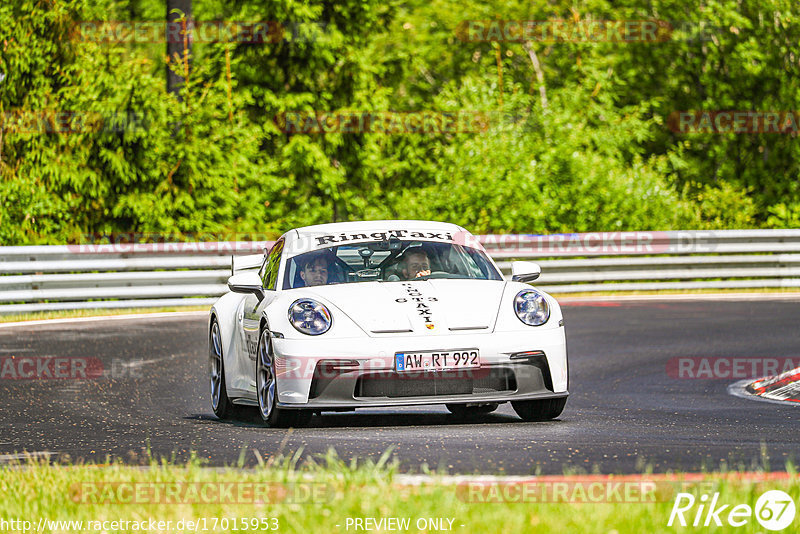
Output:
x=387 y=261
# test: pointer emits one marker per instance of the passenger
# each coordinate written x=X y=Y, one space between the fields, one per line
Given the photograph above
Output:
x=314 y=271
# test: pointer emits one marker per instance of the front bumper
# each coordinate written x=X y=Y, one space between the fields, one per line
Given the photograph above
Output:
x=319 y=373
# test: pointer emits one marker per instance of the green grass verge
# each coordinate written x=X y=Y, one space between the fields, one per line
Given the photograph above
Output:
x=322 y=494
x=64 y=314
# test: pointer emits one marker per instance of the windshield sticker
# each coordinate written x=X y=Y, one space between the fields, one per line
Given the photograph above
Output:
x=382 y=236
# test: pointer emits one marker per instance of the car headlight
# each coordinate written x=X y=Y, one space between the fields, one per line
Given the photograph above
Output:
x=531 y=307
x=309 y=317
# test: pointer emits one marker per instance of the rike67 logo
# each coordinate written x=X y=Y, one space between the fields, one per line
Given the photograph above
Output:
x=774 y=510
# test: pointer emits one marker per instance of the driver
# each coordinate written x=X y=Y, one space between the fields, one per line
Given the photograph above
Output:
x=415 y=263
x=314 y=271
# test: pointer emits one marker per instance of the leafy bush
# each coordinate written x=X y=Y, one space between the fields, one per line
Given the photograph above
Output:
x=598 y=155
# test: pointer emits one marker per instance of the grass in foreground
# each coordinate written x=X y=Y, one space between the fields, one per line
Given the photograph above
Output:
x=329 y=495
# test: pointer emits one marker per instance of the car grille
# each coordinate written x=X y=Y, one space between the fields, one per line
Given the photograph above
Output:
x=392 y=384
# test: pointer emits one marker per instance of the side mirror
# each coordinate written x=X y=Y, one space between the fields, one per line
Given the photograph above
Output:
x=525 y=271
x=247 y=282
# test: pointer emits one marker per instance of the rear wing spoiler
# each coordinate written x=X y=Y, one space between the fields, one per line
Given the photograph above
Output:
x=244 y=263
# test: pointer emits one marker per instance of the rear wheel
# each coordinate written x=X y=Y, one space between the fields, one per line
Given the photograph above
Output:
x=539 y=410
x=220 y=403
x=466 y=410
x=267 y=388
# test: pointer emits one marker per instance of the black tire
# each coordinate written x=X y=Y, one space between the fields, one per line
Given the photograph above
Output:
x=539 y=410
x=463 y=410
x=266 y=390
x=220 y=403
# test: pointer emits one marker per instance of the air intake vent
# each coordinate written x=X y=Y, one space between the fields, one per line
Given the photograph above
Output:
x=464 y=382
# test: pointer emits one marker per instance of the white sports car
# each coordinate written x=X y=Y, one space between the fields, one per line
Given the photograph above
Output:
x=384 y=313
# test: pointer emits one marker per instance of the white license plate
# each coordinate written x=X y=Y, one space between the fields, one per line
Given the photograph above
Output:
x=437 y=360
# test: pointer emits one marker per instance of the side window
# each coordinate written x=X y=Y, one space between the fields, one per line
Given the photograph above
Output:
x=271 y=266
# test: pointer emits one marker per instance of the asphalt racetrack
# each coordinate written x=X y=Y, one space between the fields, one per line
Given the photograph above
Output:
x=625 y=412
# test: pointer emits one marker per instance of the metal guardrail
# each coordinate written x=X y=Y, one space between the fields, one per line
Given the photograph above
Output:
x=59 y=277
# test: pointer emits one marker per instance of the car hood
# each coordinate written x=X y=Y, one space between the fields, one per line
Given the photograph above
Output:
x=429 y=307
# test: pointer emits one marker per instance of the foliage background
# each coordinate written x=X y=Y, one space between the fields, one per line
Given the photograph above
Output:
x=599 y=156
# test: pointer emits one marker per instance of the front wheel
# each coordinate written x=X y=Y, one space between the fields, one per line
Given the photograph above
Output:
x=539 y=410
x=220 y=403
x=267 y=390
